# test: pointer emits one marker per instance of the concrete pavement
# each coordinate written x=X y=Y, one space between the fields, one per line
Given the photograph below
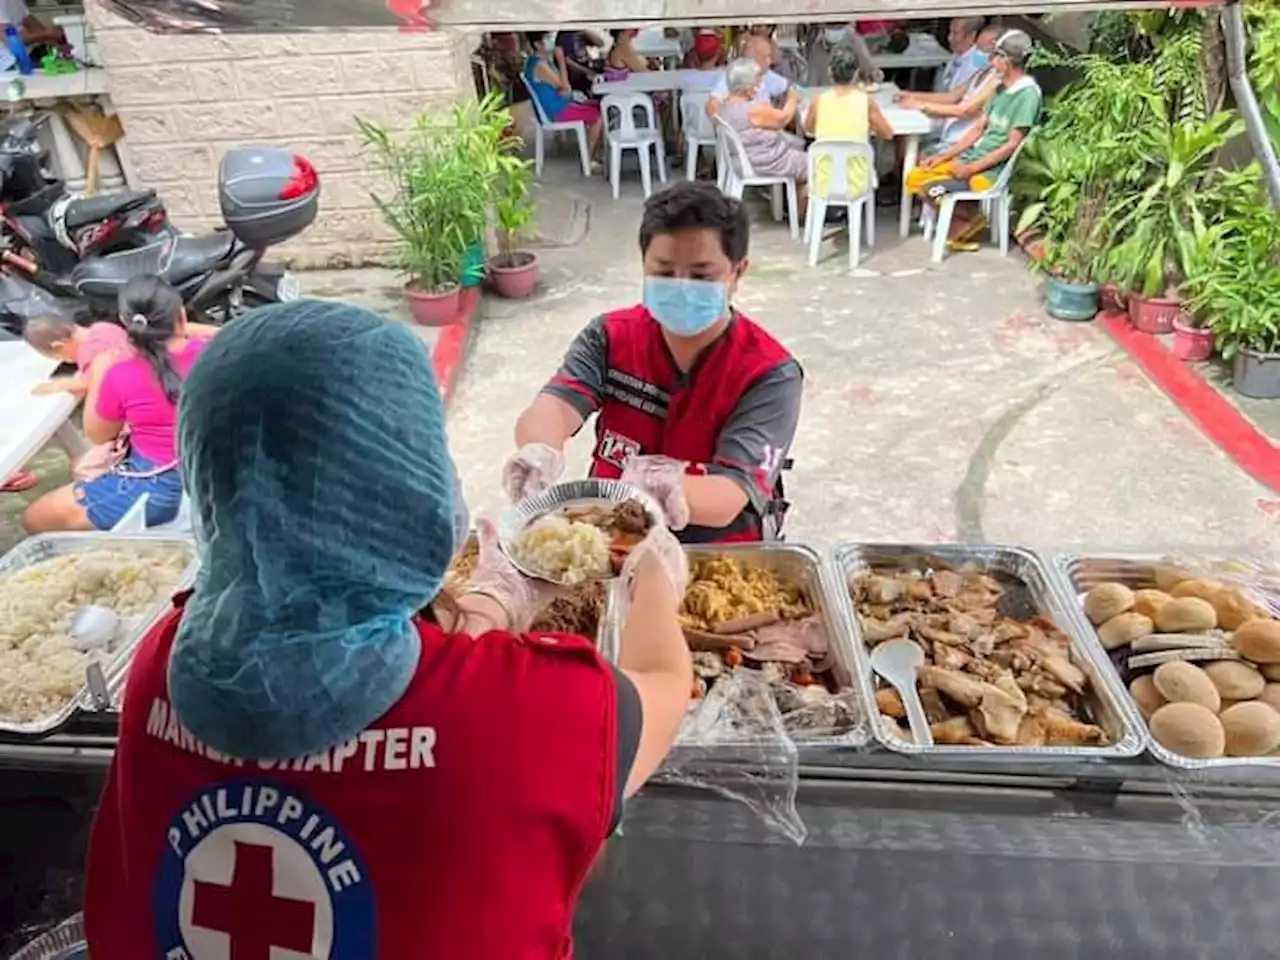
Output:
x=941 y=402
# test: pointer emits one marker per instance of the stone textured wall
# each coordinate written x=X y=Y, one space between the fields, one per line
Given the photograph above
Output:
x=185 y=99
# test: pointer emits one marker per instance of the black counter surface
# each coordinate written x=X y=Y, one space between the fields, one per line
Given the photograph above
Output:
x=899 y=862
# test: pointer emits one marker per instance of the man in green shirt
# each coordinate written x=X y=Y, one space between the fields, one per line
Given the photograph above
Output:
x=974 y=162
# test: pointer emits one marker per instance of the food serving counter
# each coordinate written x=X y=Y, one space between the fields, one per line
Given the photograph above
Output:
x=852 y=839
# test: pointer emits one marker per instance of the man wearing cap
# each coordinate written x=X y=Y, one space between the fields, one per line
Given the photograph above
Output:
x=976 y=160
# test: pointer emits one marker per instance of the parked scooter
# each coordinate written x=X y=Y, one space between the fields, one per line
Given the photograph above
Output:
x=44 y=224
x=268 y=195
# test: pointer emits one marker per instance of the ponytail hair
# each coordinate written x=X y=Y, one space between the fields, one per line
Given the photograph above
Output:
x=150 y=310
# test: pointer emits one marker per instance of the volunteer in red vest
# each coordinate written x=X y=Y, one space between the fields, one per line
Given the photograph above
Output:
x=319 y=756
x=693 y=400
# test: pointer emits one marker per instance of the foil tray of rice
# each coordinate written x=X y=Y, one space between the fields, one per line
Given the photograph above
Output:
x=577 y=532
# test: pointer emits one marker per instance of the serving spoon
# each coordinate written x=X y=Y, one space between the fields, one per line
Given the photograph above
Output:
x=898 y=661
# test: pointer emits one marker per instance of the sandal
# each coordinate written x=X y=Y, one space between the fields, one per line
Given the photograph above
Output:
x=963 y=246
x=19 y=481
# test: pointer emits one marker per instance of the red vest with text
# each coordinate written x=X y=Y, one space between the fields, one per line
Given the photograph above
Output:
x=461 y=824
x=650 y=407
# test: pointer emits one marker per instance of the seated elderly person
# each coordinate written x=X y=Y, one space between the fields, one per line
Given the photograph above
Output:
x=845 y=114
x=773 y=87
x=760 y=126
x=959 y=107
x=976 y=161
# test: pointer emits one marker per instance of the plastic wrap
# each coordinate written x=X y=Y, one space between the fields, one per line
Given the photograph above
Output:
x=735 y=744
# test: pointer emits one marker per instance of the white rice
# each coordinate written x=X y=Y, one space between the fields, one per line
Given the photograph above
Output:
x=40 y=671
x=562 y=550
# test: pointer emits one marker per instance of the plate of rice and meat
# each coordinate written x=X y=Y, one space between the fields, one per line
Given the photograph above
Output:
x=577 y=532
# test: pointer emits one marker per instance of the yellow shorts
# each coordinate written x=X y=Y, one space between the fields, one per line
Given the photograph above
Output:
x=920 y=178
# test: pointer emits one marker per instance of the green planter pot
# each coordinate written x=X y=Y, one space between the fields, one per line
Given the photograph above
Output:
x=473 y=266
x=1071 y=301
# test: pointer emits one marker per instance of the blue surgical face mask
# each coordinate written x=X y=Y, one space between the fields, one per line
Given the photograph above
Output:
x=685 y=308
x=836 y=35
x=980 y=58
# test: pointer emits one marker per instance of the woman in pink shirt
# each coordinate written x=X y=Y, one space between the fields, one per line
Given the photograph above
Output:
x=137 y=392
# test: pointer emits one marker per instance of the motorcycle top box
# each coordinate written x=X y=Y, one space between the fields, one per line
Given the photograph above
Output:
x=268 y=194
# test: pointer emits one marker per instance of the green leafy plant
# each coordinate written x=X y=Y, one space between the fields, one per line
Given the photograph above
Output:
x=513 y=206
x=435 y=203
x=1264 y=62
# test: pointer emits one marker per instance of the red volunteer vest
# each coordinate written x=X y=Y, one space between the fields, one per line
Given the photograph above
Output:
x=461 y=824
x=650 y=407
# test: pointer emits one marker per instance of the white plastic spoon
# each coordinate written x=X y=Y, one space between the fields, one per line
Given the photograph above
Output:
x=897 y=661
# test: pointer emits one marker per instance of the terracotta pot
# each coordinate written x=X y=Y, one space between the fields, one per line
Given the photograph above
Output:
x=1113 y=299
x=1154 y=315
x=516 y=279
x=433 y=309
x=1191 y=343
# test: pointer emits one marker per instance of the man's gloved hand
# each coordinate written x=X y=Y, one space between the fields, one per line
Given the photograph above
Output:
x=663 y=479
x=531 y=470
x=661 y=551
x=497 y=578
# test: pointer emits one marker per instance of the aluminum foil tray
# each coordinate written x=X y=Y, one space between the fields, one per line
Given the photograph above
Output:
x=795 y=563
x=1114 y=710
x=47 y=546
x=1084 y=572
x=573 y=493
x=66 y=941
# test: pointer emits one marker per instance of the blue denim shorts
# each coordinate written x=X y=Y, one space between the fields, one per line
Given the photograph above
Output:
x=106 y=499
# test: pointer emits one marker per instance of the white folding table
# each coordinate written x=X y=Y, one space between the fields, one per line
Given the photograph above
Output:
x=923 y=50
x=654 y=81
x=28 y=422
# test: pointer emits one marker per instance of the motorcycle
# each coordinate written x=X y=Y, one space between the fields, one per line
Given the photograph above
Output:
x=46 y=225
x=268 y=195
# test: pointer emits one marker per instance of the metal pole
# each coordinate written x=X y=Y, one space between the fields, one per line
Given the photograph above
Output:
x=1237 y=75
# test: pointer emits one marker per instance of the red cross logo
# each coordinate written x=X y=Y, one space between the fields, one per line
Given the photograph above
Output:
x=249 y=913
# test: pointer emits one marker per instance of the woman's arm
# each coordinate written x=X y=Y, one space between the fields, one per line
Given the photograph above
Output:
x=99 y=425
x=966 y=108
x=548 y=74
x=202 y=331
x=811 y=117
x=879 y=125
x=768 y=118
x=654 y=655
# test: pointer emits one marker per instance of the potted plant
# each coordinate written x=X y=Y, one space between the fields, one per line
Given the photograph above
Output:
x=482 y=131
x=1072 y=247
x=513 y=272
x=435 y=206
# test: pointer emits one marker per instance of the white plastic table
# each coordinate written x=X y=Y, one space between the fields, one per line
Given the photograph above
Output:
x=30 y=422
x=652 y=42
x=923 y=50
x=653 y=81
x=910 y=125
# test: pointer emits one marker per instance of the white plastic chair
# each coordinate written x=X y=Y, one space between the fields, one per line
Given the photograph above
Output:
x=626 y=135
x=699 y=131
x=544 y=125
x=995 y=203
x=841 y=154
x=739 y=174
x=135 y=519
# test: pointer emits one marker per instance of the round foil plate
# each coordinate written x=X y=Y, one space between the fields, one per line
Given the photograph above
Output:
x=64 y=942
x=573 y=493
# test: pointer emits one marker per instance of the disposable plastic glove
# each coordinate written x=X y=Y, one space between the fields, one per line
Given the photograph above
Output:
x=662 y=548
x=497 y=578
x=663 y=479
x=531 y=470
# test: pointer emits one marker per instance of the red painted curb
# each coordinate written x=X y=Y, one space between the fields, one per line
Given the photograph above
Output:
x=451 y=345
x=1216 y=417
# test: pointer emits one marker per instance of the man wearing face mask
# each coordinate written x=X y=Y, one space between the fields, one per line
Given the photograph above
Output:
x=824 y=42
x=694 y=402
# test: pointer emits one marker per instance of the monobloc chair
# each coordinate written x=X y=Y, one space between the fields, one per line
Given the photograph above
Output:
x=841 y=154
x=626 y=134
x=135 y=519
x=699 y=131
x=545 y=125
x=739 y=174
x=995 y=202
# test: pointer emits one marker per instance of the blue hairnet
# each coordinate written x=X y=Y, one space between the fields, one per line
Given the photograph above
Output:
x=313 y=449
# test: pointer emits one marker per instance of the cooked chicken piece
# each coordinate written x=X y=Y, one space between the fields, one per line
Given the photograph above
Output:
x=984 y=644
x=883 y=589
x=946 y=583
x=953 y=731
x=1007 y=630
x=791 y=641
x=1041 y=685
x=934 y=635
x=960 y=687
x=1053 y=728
x=934 y=708
x=890 y=704
x=1001 y=711
x=1065 y=672
x=893 y=729
x=881 y=611
x=963 y=624
x=877 y=631
x=1031 y=732
x=970 y=601
x=980 y=581
x=952 y=658
x=920 y=590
